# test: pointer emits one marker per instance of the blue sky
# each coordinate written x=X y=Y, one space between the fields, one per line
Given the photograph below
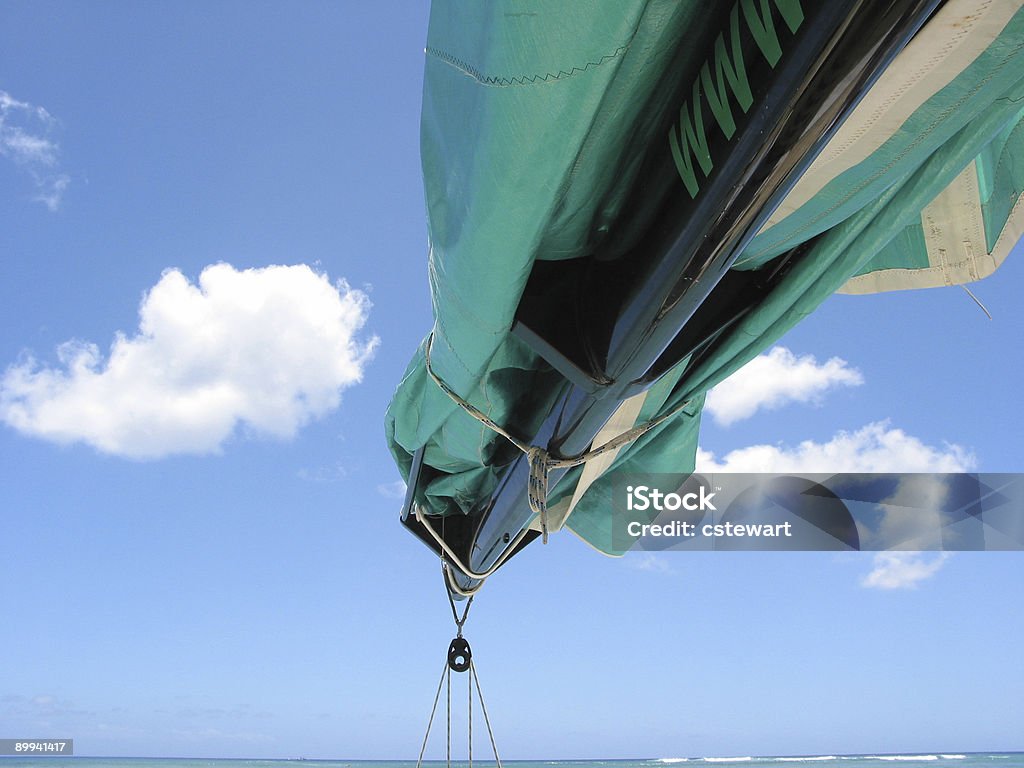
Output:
x=239 y=584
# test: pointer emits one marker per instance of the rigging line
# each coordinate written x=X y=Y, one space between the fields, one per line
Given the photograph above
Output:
x=469 y=711
x=451 y=601
x=448 y=750
x=453 y=663
x=455 y=560
x=555 y=462
x=483 y=708
x=456 y=589
x=540 y=460
x=977 y=301
x=433 y=710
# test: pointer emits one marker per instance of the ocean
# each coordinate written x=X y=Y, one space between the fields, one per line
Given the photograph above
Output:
x=937 y=760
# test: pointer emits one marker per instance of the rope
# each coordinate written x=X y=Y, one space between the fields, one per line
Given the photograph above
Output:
x=446 y=682
x=977 y=301
x=474 y=680
x=433 y=710
x=483 y=708
x=469 y=710
x=448 y=749
x=540 y=460
x=451 y=601
x=453 y=586
x=456 y=560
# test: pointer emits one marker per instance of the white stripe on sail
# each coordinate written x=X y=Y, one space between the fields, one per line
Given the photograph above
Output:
x=959 y=32
x=954 y=234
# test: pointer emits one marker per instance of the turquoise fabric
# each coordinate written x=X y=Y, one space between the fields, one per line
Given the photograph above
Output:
x=527 y=118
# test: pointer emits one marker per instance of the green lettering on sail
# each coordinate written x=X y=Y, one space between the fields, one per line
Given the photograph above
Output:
x=724 y=74
x=693 y=137
x=791 y=12
x=729 y=69
x=762 y=26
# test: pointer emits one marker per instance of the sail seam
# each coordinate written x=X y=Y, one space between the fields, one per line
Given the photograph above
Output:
x=497 y=81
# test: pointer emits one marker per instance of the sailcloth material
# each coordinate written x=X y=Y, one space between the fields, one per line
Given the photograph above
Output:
x=529 y=117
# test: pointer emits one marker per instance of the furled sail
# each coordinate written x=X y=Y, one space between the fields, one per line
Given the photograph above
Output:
x=629 y=200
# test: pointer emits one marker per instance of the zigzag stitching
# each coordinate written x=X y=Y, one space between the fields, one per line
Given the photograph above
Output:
x=508 y=82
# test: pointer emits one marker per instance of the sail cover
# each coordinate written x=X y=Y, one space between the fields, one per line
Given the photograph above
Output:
x=534 y=122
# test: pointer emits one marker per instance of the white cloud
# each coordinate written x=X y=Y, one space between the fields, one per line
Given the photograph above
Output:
x=393 y=490
x=873 y=448
x=50 y=189
x=330 y=473
x=911 y=515
x=903 y=570
x=774 y=379
x=266 y=349
x=25 y=139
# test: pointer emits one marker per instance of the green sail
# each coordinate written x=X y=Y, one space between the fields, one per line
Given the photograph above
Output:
x=530 y=123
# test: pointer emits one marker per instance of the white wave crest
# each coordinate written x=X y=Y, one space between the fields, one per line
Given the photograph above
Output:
x=814 y=759
x=905 y=758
